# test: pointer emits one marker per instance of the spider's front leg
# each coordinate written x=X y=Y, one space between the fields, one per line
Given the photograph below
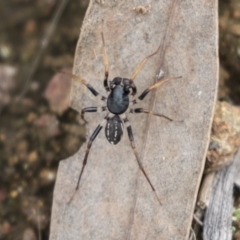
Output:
x=85 y=83
x=137 y=70
x=92 y=138
x=105 y=58
x=130 y=136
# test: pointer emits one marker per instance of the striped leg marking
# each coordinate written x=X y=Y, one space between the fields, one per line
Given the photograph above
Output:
x=140 y=66
x=105 y=58
x=156 y=85
x=137 y=70
x=92 y=138
x=130 y=136
x=91 y=109
x=141 y=110
x=84 y=82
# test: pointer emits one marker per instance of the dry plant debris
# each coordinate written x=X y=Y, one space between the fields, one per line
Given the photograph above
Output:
x=225 y=137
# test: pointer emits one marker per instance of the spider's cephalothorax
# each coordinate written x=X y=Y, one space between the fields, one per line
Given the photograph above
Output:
x=116 y=104
x=118 y=99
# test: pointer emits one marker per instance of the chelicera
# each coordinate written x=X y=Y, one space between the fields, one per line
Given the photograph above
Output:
x=116 y=105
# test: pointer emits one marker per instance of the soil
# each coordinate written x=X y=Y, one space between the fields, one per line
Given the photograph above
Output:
x=37 y=129
x=36 y=132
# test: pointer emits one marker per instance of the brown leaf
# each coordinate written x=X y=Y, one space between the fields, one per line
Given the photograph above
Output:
x=114 y=200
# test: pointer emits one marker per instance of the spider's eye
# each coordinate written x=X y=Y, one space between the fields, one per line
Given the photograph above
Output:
x=116 y=80
x=126 y=82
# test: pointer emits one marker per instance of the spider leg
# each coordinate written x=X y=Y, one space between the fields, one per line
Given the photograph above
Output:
x=142 y=110
x=91 y=109
x=139 y=67
x=137 y=70
x=105 y=82
x=154 y=86
x=130 y=136
x=92 y=138
x=84 y=82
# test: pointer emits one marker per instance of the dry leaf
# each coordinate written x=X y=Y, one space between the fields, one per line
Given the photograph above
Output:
x=114 y=200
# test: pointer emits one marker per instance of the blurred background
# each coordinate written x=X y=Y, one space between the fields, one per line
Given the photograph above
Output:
x=37 y=129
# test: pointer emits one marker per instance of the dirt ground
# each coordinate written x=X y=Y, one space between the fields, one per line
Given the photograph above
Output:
x=37 y=129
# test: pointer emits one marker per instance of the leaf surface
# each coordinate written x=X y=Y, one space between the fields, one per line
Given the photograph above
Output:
x=114 y=200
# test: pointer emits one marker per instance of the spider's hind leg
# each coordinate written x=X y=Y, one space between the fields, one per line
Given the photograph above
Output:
x=105 y=58
x=92 y=138
x=130 y=136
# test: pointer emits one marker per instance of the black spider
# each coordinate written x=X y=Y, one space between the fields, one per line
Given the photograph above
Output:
x=117 y=104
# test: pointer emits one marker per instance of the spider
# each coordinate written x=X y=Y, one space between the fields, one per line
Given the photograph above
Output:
x=117 y=103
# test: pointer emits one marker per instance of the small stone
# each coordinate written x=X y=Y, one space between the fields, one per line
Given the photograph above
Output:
x=47 y=176
x=6 y=228
x=2 y=137
x=32 y=157
x=30 y=26
x=3 y=194
x=13 y=160
x=235 y=29
x=31 y=117
x=236 y=13
x=22 y=146
x=49 y=124
x=58 y=92
x=29 y=234
x=14 y=194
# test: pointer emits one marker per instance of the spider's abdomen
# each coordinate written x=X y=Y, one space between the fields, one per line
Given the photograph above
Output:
x=118 y=100
x=114 y=130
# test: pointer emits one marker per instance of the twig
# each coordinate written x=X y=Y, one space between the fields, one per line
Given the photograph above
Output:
x=218 y=217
